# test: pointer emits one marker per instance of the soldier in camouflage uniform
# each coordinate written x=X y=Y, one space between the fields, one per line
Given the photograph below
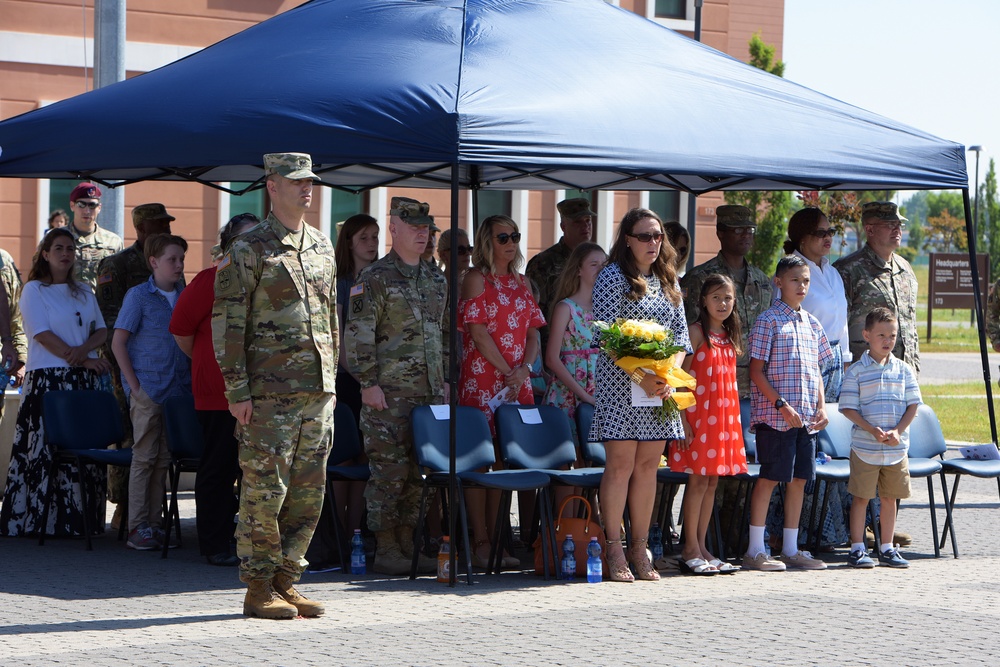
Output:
x=877 y=276
x=576 y=220
x=116 y=274
x=993 y=316
x=92 y=242
x=274 y=326
x=735 y=228
x=394 y=344
x=13 y=341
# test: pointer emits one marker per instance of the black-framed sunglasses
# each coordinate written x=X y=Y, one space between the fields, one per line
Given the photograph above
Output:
x=823 y=233
x=92 y=205
x=505 y=237
x=646 y=238
x=465 y=249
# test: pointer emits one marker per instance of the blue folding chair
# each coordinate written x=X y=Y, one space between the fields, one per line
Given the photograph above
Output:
x=983 y=469
x=926 y=454
x=186 y=444
x=473 y=452
x=79 y=425
x=835 y=442
x=346 y=447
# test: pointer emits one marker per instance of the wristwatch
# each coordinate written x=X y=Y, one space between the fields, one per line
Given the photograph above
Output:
x=780 y=403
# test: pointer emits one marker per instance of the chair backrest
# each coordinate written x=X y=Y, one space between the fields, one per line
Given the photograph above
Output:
x=835 y=439
x=593 y=453
x=81 y=419
x=431 y=439
x=346 y=439
x=546 y=445
x=926 y=438
x=184 y=436
x=749 y=438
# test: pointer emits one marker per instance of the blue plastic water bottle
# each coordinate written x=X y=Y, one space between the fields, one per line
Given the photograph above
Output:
x=595 y=569
x=569 y=559
x=357 y=553
x=656 y=542
x=821 y=458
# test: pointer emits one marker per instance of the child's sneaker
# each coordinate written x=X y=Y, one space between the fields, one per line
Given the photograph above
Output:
x=892 y=558
x=141 y=538
x=803 y=560
x=859 y=558
x=762 y=562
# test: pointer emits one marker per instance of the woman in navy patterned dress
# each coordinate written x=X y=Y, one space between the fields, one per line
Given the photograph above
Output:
x=640 y=282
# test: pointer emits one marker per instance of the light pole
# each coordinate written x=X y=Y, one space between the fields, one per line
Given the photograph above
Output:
x=975 y=207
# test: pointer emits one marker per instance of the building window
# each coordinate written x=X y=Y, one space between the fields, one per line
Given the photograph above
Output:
x=59 y=190
x=666 y=204
x=492 y=202
x=670 y=9
x=343 y=205
x=250 y=202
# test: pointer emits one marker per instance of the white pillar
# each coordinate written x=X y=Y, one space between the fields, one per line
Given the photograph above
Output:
x=379 y=205
x=44 y=194
x=109 y=68
x=326 y=212
x=519 y=211
x=225 y=208
x=605 y=210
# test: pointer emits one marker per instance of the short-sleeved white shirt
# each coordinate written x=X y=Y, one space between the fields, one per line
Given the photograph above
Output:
x=55 y=308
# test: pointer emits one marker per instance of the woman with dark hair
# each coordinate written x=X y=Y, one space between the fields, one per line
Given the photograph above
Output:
x=640 y=283
x=464 y=253
x=500 y=320
x=64 y=328
x=191 y=326
x=680 y=239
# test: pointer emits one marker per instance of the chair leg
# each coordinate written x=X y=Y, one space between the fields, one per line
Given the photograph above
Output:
x=876 y=529
x=824 y=498
x=949 y=510
x=174 y=473
x=463 y=520
x=49 y=490
x=549 y=547
x=83 y=502
x=933 y=508
x=339 y=532
x=418 y=532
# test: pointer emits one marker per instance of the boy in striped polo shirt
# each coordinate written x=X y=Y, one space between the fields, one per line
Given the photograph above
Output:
x=880 y=395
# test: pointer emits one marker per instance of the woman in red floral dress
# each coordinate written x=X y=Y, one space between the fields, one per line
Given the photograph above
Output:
x=500 y=320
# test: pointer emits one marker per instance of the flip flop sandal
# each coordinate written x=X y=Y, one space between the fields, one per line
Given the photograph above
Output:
x=724 y=567
x=697 y=566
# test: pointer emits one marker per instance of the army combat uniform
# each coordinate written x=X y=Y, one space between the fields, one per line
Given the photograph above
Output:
x=274 y=326
x=870 y=282
x=753 y=297
x=11 y=279
x=993 y=315
x=396 y=323
x=91 y=249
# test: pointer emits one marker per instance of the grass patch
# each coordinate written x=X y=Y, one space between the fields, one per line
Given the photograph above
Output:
x=962 y=418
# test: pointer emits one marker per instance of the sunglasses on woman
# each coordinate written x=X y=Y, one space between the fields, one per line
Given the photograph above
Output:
x=646 y=238
x=823 y=233
x=505 y=237
x=465 y=249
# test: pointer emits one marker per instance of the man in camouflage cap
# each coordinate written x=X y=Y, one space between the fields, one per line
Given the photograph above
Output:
x=877 y=276
x=395 y=345
x=92 y=242
x=735 y=227
x=116 y=275
x=993 y=316
x=274 y=326
x=576 y=220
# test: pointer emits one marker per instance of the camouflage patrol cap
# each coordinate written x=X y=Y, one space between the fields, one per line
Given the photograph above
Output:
x=731 y=215
x=294 y=166
x=85 y=191
x=882 y=210
x=575 y=208
x=145 y=212
x=411 y=211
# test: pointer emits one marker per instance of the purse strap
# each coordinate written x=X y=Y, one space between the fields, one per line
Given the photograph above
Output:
x=566 y=501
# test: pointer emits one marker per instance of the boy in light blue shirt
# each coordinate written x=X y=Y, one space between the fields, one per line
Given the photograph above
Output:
x=880 y=396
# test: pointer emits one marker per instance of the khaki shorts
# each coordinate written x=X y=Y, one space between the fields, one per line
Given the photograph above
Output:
x=891 y=481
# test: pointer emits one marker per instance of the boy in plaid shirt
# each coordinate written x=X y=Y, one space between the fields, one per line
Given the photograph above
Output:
x=880 y=395
x=787 y=349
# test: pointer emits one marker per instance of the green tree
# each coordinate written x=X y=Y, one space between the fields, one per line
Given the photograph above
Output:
x=946 y=232
x=770 y=210
x=842 y=208
x=990 y=214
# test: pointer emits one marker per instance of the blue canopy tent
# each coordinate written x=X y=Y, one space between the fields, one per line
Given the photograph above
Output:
x=478 y=94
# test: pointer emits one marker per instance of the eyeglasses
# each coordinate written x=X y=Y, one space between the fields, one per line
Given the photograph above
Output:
x=743 y=231
x=503 y=238
x=823 y=233
x=890 y=225
x=87 y=204
x=646 y=238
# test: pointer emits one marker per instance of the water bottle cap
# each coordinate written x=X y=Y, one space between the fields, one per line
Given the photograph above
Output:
x=357 y=531
x=593 y=539
x=445 y=538
x=569 y=536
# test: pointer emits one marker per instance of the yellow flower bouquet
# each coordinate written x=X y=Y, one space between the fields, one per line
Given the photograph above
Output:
x=645 y=344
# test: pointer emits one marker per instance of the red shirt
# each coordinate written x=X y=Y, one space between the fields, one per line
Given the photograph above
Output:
x=193 y=317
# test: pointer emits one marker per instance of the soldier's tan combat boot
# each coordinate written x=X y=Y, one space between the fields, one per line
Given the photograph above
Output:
x=388 y=558
x=425 y=565
x=282 y=584
x=263 y=602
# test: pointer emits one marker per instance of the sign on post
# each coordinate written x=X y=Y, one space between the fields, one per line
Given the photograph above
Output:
x=950 y=278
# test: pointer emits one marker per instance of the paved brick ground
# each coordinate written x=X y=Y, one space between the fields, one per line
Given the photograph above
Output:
x=60 y=604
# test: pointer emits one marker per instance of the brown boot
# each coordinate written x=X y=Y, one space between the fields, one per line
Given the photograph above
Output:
x=282 y=584
x=263 y=602
x=425 y=565
x=388 y=558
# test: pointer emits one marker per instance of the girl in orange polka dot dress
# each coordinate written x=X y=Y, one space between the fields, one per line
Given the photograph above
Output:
x=713 y=443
